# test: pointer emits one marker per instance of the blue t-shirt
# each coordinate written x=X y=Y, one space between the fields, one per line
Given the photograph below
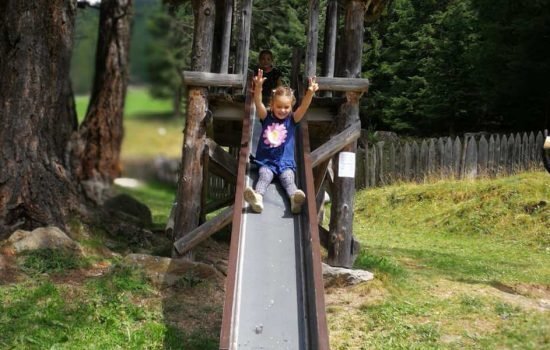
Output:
x=276 y=144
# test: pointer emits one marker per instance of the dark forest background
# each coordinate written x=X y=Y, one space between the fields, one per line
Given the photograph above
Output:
x=436 y=67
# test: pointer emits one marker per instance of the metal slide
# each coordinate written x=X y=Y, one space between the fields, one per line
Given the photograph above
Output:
x=274 y=294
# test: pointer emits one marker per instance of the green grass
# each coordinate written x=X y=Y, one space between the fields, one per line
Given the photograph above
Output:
x=459 y=265
x=149 y=126
x=139 y=104
x=101 y=314
x=158 y=197
x=50 y=261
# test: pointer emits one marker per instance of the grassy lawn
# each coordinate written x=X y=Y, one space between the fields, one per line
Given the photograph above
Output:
x=457 y=264
x=149 y=126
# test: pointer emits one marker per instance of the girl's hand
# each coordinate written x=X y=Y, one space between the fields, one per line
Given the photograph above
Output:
x=259 y=80
x=313 y=86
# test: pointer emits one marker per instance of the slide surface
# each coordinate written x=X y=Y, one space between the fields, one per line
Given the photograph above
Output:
x=274 y=296
x=269 y=309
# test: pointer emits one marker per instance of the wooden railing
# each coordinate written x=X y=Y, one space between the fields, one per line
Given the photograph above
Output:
x=468 y=157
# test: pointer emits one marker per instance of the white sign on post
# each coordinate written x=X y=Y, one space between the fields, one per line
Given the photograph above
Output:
x=346 y=164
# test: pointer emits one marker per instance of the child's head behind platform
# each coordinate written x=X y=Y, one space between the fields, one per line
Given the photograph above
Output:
x=282 y=101
x=265 y=58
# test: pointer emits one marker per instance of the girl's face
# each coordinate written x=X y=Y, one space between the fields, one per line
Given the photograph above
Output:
x=281 y=106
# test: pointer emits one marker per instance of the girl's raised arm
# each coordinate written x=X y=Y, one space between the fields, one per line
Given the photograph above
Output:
x=258 y=83
x=306 y=101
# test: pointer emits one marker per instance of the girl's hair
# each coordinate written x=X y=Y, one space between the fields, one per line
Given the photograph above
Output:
x=283 y=91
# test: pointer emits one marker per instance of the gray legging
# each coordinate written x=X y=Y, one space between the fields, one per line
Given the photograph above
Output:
x=286 y=178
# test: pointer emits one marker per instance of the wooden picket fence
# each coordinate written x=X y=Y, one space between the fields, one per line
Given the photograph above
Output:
x=384 y=163
x=467 y=157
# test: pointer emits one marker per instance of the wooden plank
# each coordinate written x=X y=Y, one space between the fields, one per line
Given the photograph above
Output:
x=379 y=149
x=336 y=143
x=415 y=161
x=532 y=150
x=482 y=155
x=457 y=157
x=539 y=144
x=343 y=84
x=205 y=183
x=373 y=163
x=524 y=151
x=221 y=163
x=366 y=164
x=408 y=162
x=496 y=164
x=207 y=79
x=448 y=158
x=491 y=157
x=470 y=162
x=519 y=152
x=360 y=168
x=441 y=157
x=432 y=158
x=510 y=163
x=201 y=233
x=392 y=169
x=423 y=168
x=503 y=168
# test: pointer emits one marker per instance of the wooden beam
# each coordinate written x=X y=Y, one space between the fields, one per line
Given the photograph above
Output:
x=343 y=84
x=336 y=143
x=198 y=235
x=221 y=162
x=206 y=79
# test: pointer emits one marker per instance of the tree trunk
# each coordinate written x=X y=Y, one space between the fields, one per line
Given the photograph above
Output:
x=101 y=132
x=37 y=114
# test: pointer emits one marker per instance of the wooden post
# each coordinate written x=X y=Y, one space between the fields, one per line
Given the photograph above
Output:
x=226 y=36
x=343 y=249
x=189 y=194
x=243 y=43
x=329 y=50
x=313 y=38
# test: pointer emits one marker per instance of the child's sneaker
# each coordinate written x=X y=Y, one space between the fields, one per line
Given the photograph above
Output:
x=255 y=200
x=296 y=201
